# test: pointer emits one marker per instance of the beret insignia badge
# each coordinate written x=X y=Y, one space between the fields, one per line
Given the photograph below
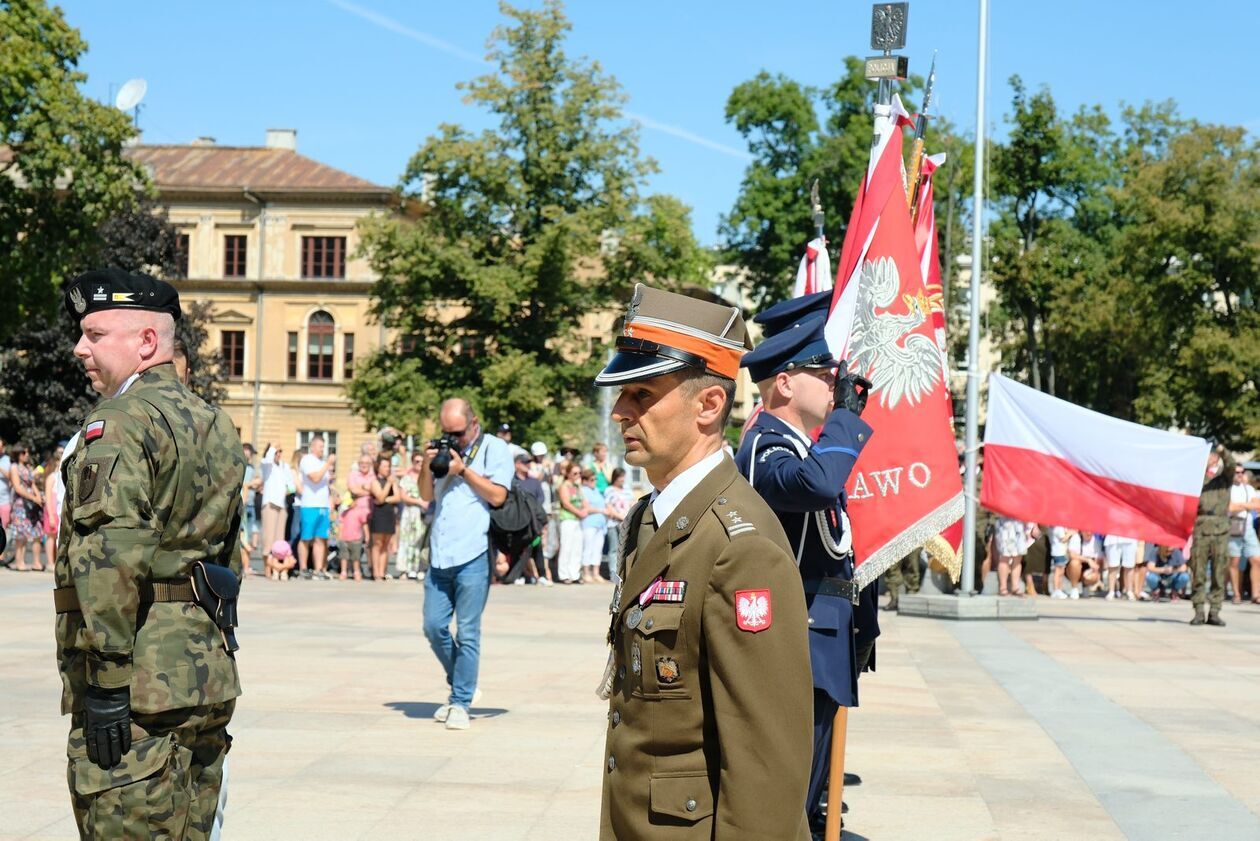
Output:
x=78 y=301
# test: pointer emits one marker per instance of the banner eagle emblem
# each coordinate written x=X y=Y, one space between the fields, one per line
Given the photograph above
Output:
x=901 y=363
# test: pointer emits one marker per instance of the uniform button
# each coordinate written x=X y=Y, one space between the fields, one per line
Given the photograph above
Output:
x=616 y=718
x=811 y=620
x=649 y=624
x=612 y=763
x=691 y=805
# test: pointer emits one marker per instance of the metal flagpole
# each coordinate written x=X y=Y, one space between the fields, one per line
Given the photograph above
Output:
x=973 y=336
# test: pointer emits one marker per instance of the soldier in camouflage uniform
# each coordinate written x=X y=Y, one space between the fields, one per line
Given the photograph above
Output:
x=152 y=488
x=1211 y=538
x=906 y=571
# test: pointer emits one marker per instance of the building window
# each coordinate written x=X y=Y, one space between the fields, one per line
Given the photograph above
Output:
x=181 y=256
x=293 y=355
x=319 y=346
x=232 y=346
x=323 y=257
x=347 y=355
x=234 y=255
x=304 y=437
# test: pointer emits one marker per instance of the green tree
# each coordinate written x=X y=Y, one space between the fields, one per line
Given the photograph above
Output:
x=62 y=168
x=1192 y=248
x=510 y=238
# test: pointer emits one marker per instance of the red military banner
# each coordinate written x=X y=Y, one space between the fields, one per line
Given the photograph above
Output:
x=905 y=488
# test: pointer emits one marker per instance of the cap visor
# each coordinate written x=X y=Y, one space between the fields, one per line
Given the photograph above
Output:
x=631 y=367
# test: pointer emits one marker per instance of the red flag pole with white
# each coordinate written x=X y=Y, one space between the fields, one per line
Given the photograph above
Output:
x=814 y=272
x=1124 y=478
x=905 y=488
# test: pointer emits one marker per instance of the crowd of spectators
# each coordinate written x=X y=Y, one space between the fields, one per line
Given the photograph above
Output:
x=302 y=519
x=30 y=505
x=1067 y=563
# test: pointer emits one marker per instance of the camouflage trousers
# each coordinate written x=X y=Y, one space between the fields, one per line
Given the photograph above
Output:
x=167 y=785
x=905 y=571
x=1208 y=549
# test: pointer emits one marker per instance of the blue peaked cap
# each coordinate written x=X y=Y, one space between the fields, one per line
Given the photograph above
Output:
x=785 y=314
x=799 y=344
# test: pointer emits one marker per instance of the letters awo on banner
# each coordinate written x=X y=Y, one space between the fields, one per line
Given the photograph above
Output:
x=1051 y=461
x=905 y=488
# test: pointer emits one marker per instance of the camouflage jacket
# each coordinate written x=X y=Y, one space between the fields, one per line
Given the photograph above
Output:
x=153 y=487
x=1213 y=515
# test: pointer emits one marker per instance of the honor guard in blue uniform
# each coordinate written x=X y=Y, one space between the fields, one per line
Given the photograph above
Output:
x=803 y=482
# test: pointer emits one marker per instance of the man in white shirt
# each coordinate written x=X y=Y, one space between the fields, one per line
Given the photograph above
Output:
x=315 y=470
x=1244 y=545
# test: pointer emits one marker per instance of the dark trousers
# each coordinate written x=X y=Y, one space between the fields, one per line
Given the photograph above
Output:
x=825 y=709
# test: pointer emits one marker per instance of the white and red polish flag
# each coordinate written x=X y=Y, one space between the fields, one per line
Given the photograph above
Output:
x=814 y=272
x=1051 y=461
x=905 y=488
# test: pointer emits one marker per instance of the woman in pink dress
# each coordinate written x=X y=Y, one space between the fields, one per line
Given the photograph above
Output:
x=27 y=499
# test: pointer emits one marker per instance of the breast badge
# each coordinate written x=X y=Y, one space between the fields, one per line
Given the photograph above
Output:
x=667 y=670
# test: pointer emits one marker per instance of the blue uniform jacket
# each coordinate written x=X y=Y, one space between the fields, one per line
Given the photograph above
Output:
x=796 y=488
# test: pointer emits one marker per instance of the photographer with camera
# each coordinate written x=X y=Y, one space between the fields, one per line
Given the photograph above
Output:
x=465 y=474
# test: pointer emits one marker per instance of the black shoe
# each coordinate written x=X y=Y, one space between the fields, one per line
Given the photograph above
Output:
x=851 y=779
x=1215 y=619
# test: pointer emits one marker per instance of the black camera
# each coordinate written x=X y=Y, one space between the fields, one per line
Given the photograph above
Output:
x=440 y=464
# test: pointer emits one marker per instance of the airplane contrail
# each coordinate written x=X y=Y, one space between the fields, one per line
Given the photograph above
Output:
x=388 y=23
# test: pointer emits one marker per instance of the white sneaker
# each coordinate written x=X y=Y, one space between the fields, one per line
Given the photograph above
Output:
x=442 y=713
x=1075 y=594
x=457 y=719
x=546 y=582
x=419 y=576
x=1058 y=594
x=520 y=582
x=1111 y=594
x=1129 y=597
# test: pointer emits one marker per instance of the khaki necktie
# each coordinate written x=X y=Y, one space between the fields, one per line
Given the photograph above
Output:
x=647 y=528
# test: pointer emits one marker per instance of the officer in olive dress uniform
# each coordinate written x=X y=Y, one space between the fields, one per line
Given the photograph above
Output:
x=1210 y=544
x=152 y=495
x=803 y=482
x=708 y=679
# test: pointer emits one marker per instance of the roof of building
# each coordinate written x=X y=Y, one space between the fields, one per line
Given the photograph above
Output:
x=215 y=168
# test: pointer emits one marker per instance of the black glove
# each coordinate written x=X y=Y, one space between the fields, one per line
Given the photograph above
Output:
x=107 y=724
x=846 y=393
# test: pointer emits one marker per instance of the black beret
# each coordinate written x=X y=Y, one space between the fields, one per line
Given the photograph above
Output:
x=115 y=289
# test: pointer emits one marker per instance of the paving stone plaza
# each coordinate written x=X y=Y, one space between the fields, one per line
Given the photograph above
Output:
x=1100 y=720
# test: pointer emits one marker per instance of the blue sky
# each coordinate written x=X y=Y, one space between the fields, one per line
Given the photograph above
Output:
x=365 y=81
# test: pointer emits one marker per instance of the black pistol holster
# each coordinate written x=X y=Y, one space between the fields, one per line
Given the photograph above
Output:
x=216 y=589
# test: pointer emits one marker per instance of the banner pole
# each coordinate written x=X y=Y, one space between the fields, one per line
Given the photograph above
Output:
x=835 y=779
x=973 y=335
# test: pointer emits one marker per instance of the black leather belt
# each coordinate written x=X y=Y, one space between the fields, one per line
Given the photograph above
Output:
x=833 y=587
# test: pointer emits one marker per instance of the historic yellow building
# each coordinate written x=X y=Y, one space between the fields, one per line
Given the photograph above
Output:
x=269 y=240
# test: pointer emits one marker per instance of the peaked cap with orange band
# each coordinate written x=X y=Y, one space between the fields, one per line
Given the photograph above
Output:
x=666 y=332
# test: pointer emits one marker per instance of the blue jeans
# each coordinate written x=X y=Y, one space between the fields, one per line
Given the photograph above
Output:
x=460 y=592
x=1175 y=582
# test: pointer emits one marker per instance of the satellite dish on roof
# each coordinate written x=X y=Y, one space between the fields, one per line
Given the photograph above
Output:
x=130 y=94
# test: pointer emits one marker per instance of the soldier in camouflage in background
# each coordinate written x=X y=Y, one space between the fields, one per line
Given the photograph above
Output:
x=148 y=538
x=1210 y=543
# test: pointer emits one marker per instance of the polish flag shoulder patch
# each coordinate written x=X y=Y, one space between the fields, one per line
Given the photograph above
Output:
x=753 y=610
x=94 y=430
